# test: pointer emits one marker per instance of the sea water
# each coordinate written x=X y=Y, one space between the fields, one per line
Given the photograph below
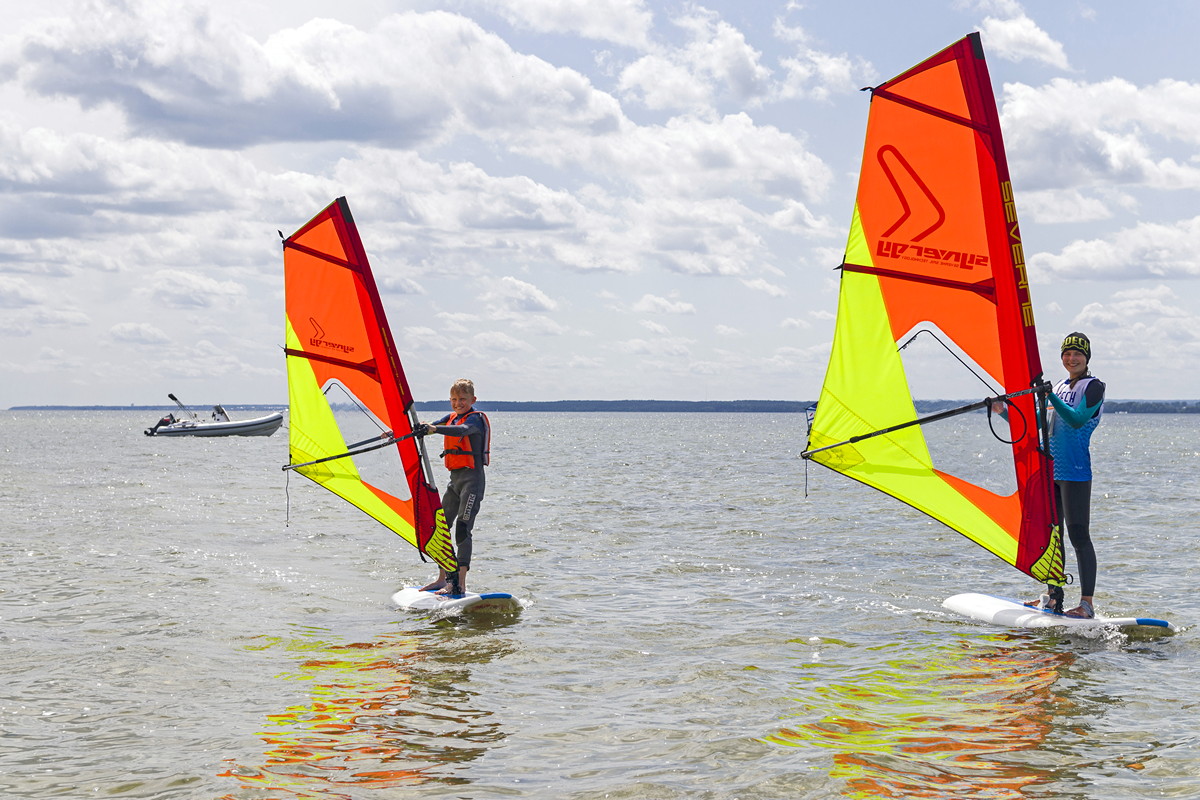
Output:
x=704 y=618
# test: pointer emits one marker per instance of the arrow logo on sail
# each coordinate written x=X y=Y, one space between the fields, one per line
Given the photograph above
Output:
x=318 y=339
x=888 y=154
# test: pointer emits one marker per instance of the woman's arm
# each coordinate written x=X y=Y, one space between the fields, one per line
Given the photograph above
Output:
x=1089 y=406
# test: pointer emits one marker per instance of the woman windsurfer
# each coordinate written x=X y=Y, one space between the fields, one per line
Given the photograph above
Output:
x=1078 y=400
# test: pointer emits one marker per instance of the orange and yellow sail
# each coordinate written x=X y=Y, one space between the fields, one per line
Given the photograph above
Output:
x=338 y=338
x=934 y=241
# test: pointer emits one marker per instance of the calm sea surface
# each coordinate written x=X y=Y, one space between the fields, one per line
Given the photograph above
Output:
x=695 y=626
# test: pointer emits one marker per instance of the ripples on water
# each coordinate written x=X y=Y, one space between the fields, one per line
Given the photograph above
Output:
x=695 y=627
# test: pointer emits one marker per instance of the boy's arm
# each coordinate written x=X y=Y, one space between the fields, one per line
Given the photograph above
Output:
x=429 y=428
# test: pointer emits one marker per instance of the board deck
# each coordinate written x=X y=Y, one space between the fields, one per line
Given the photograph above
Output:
x=414 y=599
x=1002 y=611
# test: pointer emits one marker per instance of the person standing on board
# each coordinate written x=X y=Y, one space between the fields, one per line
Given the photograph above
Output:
x=1077 y=400
x=467 y=451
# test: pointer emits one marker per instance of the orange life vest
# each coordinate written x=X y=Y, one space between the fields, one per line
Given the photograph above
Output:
x=457 y=453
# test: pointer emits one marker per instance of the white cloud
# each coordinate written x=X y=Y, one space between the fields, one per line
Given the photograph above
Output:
x=1068 y=134
x=761 y=285
x=457 y=322
x=180 y=72
x=1148 y=250
x=537 y=325
x=399 y=284
x=419 y=338
x=1018 y=38
x=516 y=295
x=652 y=304
x=672 y=347
x=46 y=360
x=1143 y=330
x=138 y=333
x=815 y=74
x=655 y=327
x=174 y=288
x=1130 y=304
x=494 y=341
x=1061 y=206
x=19 y=293
x=716 y=63
x=723 y=158
x=624 y=22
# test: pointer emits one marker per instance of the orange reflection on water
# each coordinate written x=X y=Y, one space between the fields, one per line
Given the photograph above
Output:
x=364 y=727
x=934 y=721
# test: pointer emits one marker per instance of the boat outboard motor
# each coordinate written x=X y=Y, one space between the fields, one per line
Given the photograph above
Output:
x=167 y=420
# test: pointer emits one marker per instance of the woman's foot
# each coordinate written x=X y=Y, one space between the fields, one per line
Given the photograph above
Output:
x=1082 y=611
x=1041 y=602
x=440 y=583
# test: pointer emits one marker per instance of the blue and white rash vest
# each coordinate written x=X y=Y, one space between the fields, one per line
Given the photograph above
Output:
x=1076 y=413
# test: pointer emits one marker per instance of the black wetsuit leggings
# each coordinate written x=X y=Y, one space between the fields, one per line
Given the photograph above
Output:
x=1075 y=513
x=461 y=503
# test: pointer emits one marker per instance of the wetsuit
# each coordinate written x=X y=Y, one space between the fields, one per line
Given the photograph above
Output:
x=1076 y=414
x=464 y=493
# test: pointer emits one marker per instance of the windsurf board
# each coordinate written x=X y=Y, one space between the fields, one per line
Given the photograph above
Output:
x=414 y=599
x=1002 y=611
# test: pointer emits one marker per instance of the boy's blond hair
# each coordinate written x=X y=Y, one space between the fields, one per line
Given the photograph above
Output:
x=463 y=386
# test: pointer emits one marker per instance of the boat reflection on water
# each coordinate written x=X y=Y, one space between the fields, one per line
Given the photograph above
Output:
x=388 y=713
x=933 y=721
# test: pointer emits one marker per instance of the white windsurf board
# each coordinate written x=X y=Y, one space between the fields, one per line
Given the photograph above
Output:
x=413 y=598
x=1002 y=611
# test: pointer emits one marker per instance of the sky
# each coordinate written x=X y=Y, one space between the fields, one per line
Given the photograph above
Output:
x=561 y=199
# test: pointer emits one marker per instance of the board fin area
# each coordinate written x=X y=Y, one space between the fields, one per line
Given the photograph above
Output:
x=1011 y=613
x=415 y=599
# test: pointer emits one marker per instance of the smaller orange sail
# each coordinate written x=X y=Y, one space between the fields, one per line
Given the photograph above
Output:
x=345 y=379
x=935 y=249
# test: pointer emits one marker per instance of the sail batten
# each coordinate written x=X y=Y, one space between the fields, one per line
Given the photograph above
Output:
x=367 y=367
x=330 y=295
x=986 y=288
x=937 y=112
x=934 y=244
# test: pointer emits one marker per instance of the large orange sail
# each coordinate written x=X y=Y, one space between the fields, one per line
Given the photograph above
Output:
x=344 y=376
x=934 y=247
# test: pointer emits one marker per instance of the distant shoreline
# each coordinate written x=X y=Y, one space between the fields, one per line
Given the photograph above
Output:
x=649 y=406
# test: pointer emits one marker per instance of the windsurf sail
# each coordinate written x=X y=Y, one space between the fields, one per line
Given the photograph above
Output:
x=935 y=248
x=344 y=375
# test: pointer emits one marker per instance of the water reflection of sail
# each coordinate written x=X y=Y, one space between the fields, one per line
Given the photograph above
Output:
x=380 y=716
x=950 y=723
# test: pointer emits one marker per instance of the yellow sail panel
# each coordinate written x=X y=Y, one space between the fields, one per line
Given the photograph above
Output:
x=340 y=351
x=934 y=247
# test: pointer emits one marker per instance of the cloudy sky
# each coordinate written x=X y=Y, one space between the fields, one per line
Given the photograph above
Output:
x=562 y=199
